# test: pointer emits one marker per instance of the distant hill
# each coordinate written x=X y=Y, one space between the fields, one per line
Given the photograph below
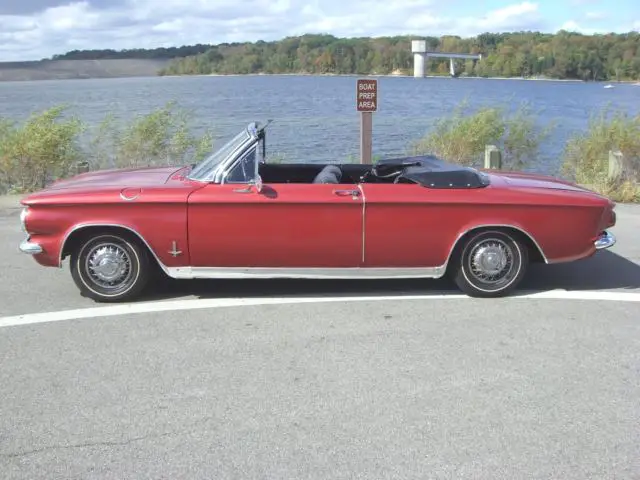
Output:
x=105 y=63
x=137 y=53
x=76 y=69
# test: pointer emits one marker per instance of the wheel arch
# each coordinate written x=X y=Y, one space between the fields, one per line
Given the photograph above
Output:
x=80 y=232
x=536 y=254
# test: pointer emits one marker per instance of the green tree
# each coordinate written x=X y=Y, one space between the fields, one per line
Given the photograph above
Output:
x=565 y=55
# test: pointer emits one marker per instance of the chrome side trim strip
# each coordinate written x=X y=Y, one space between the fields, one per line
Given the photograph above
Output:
x=82 y=226
x=304 y=273
x=30 y=248
x=495 y=225
x=605 y=240
x=353 y=273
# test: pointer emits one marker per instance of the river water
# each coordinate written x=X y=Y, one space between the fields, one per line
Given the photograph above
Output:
x=315 y=117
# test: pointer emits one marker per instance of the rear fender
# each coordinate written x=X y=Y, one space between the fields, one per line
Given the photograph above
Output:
x=524 y=235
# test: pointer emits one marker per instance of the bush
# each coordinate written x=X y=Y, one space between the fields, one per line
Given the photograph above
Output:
x=461 y=138
x=161 y=137
x=43 y=149
x=586 y=157
x=47 y=146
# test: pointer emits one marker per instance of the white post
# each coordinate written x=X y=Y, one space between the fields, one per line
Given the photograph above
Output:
x=419 y=49
x=418 y=65
x=492 y=157
x=616 y=164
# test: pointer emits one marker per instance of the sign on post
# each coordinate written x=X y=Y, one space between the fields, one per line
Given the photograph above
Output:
x=367 y=95
x=366 y=104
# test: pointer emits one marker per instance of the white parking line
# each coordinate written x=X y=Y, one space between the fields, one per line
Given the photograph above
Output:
x=183 y=305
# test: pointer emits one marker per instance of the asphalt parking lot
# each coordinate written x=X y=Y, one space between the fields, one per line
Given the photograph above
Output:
x=279 y=379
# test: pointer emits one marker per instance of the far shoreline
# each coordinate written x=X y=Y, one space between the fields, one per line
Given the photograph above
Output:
x=352 y=75
x=391 y=75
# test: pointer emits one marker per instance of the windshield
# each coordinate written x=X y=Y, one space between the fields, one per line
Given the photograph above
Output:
x=204 y=169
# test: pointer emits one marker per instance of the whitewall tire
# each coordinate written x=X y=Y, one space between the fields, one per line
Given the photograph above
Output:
x=490 y=264
x=109 y=267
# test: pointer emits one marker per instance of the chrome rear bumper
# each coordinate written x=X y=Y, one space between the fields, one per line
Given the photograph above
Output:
x=605 y=240
x=30 y=248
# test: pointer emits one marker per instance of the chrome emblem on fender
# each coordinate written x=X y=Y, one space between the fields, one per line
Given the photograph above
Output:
x=174 y=249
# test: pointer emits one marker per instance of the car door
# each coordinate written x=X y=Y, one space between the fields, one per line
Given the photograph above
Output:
x=407 y=225
x=288 y=225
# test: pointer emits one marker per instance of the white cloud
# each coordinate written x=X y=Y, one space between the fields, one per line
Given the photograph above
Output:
x=510 y=18
x=583 y=2
x=75 y=16
x=595 y=15
x=573 y=26
x=570 y=26
x=118 y=24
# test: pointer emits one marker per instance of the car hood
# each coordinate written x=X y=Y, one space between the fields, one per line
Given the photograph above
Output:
x=130 y=177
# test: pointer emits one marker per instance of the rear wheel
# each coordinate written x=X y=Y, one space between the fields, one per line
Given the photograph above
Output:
x=490 y=264
x=110 y=268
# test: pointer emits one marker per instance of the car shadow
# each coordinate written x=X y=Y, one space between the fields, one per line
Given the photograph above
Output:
x=603 y=271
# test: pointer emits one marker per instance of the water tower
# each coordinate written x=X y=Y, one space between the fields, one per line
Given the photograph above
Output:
x=421 y=55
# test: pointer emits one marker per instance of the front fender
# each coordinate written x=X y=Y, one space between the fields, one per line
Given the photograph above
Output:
x=159 y=227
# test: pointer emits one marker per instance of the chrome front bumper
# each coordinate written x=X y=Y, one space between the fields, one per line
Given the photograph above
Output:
x=605 y=240
x=30 y=248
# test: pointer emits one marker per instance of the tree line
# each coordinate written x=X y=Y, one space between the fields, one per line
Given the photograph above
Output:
x=134 y=53
x=563 y=55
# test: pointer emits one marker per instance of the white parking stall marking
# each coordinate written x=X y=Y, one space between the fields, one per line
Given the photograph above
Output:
x=198 y=304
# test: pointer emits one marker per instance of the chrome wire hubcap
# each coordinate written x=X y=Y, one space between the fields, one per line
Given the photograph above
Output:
x=491 y=261
x=108 y=265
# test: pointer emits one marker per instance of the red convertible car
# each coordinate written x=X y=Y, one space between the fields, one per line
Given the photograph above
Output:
x=235 y=215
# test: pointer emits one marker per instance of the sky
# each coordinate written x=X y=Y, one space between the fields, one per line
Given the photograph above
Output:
x=35 y=29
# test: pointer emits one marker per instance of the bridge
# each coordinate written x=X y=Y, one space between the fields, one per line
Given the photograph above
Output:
x=420 y=56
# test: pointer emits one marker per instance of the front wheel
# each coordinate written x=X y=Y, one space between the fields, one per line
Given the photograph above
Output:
x=110 y=268
x=491 y=264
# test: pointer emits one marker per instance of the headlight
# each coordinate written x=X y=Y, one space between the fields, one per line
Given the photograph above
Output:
x=23 y=219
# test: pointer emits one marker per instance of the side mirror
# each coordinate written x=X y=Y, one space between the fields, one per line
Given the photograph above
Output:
x=253 y=186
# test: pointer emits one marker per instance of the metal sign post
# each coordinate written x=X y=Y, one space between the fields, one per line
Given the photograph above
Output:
x=366 y=104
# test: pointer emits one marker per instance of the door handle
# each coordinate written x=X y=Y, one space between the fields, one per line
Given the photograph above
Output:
x=347 y=193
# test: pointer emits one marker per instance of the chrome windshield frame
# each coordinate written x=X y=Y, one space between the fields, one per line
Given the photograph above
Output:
x=251 y=136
